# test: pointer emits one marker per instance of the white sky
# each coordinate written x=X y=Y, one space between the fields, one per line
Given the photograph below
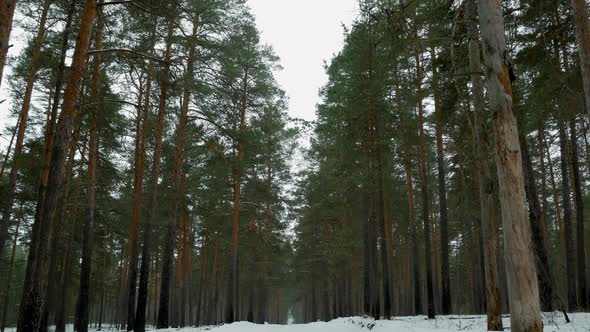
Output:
x=303 y=34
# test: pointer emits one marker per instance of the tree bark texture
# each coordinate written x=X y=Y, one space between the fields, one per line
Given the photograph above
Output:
x=523 y=292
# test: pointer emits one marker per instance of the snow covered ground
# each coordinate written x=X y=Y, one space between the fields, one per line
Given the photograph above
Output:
x=554 y=322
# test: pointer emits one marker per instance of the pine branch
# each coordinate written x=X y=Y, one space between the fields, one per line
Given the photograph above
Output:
x=126 y=50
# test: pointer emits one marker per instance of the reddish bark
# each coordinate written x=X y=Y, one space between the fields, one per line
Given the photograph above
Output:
x=33 y=299
x=6 y=15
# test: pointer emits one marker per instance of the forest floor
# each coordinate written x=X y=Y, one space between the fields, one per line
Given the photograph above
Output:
x=554 y=322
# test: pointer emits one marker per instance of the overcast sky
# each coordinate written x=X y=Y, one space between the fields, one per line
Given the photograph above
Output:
x=303 y=33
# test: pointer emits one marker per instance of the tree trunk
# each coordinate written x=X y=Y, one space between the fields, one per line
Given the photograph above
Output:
x=374 y=212
x=545 y=206
x=140 y=315
x=137 y=195
x=586 y=144
x=570 y=254
x=231 y=312
x=202 y=279
x=103 y=284
x=442 y=196
x=177 y=178
x=583 y=37
x=486 y=182
x=265 y=289
x=579 y=203
x=87 y=243
x=22 y=122
x=211 y=307
x=525 y=312
x=539 y=231
x=414 y=233
x=558 y=216
x=58 y=232
x=9 y=148
x=424 y=185
x=543 y=170
x=33 y=298
x=6 y=299
x=49 y=140
x=386 y=229
x=68 y=261
x=470 y=244
x=6 y=14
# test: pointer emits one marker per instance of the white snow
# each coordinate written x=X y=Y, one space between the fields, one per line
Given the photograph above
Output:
x=554 y=322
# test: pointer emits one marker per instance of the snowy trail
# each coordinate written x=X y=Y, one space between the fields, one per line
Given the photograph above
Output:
x=554 y=322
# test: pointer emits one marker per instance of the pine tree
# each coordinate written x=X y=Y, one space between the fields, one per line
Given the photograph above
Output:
x=522 y=286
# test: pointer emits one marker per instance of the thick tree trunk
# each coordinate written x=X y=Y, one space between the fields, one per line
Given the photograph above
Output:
x=486 y=182
x=6 y=14
x=525 y=312
x=140 y=315
x=33 y=299
x=579 y=203
x=177 y=179
x=570 y=251
x=583 y=37
x=88 y=240
x=22 y=123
